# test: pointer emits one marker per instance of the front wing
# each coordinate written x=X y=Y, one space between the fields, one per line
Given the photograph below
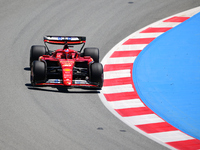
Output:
x=75 y=84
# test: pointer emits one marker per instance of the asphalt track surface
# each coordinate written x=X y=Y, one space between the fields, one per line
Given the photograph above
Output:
x=51 y=118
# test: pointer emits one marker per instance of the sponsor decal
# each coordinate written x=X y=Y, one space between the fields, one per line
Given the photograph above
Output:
x=66 y=75
x=72 y=38
x=56 y=81
x=53 y=81
x=69 y=38
x=67 y=69
x=59 y=38
x=67 y=63
x=80 y=82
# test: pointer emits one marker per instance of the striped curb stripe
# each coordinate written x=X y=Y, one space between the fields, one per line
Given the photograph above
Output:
x=120 y=96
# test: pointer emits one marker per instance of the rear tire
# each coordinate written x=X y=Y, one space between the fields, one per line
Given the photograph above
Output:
x=96 y=73
x=38 y=72
x=92 y=52
x=36 y=51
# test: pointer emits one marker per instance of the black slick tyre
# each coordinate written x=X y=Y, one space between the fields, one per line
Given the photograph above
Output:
x=96 y=73
x=38 y=72
x=92 y=52
x=36 y=51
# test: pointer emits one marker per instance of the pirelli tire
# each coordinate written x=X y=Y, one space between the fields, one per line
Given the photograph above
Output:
x=96 y=74
x=36 y=51
x=38 y=72
x=92 y=52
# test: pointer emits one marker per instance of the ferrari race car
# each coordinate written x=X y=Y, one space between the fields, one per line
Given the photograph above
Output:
x=66 y=67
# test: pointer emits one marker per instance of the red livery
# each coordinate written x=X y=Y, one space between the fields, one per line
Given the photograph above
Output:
x=66 y=67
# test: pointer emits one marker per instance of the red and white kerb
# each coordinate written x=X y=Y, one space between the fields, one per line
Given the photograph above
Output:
x=120 y=96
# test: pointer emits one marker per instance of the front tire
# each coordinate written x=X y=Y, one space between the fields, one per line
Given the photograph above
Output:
x=38 y=72
x=96 y=73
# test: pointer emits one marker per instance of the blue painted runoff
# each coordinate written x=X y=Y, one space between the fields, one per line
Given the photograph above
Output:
x=166 y=75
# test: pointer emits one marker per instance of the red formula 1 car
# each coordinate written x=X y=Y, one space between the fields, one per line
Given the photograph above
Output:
x=66 y=67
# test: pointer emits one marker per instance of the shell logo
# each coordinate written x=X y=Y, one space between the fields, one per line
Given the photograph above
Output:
x=67 y=69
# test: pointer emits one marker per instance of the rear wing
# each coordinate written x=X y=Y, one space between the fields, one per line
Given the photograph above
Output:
x=65 y=40
x=70 y=40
